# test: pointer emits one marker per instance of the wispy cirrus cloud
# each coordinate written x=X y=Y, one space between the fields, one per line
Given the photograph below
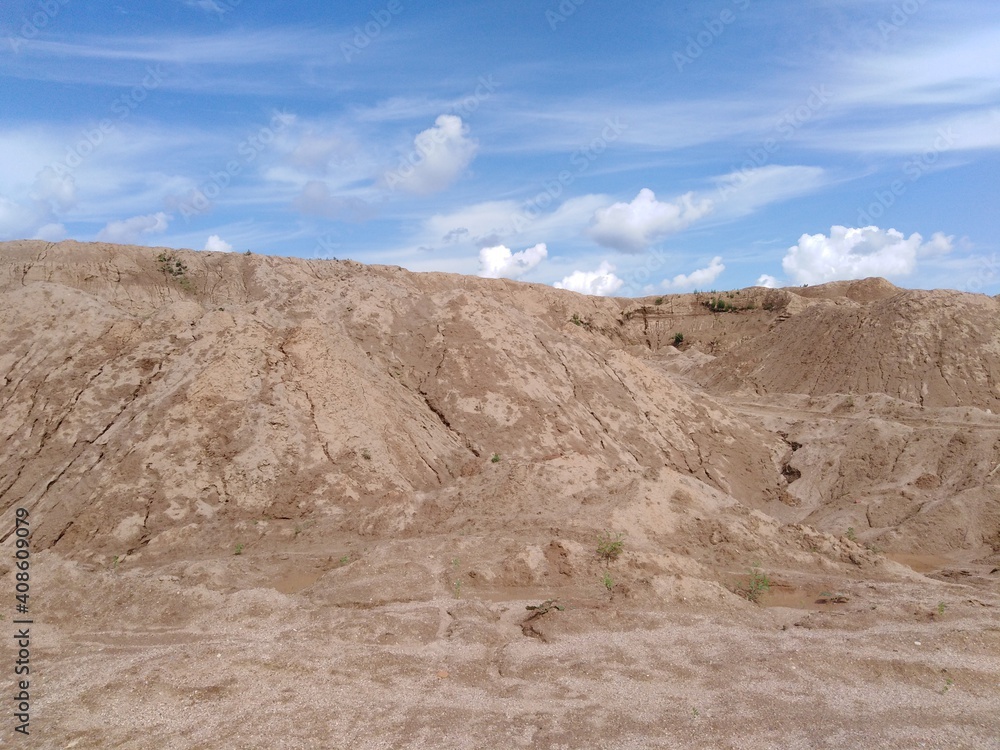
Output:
x=959 y=131
x=279 y=61
x=742 y=192
x=235 y=48
x=934 y=70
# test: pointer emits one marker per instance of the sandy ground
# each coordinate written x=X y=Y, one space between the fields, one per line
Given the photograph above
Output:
x=280 y=503
x=885 y=665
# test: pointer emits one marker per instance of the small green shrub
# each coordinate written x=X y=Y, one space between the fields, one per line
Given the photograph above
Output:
x=170 y=265
x=756 y=585
x=239 y=549
x=850 y=534
x=610 y=547
x=576 y=320
x=495 y=458
x=716 y=304
x=609 y=583
x=174 y=268
x=719 y=305
x=678 y=339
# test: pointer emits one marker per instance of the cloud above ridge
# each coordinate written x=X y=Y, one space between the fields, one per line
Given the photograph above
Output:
x=857 y=253
x=499 y=262
x=633 y=227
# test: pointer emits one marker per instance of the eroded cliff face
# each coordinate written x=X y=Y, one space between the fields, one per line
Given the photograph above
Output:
x=153 y=398
x=146 y=403
x=364 y=486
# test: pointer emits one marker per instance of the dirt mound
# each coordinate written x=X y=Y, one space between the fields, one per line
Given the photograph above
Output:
x=932 y=348
x=498 y=509
x=154 y=396
x=862 y=291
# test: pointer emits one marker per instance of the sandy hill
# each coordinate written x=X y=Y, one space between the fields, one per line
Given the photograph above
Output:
x=410 y=457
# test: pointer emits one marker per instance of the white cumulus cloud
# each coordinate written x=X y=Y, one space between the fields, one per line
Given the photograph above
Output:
x=438 y=157
x=632 y=227
x=215 y=244
x=700 y=278
x=599 y=283
x=129 y=231
x=857 y=253
x=499 y=262
x=767 y=281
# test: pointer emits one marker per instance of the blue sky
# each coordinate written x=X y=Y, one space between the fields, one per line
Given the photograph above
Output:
x=605 y=147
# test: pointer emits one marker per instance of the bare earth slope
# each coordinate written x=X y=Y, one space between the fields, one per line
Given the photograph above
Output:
x=936 y=348
x=278 y=502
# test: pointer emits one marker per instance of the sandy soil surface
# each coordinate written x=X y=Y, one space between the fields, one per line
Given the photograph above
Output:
x=314 y=504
